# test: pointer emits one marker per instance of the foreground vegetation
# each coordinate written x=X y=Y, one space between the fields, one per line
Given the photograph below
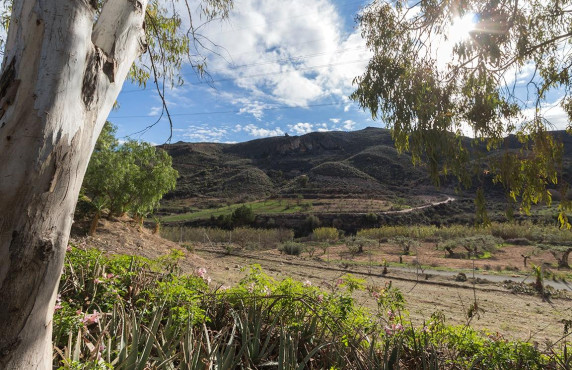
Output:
x=133 y=313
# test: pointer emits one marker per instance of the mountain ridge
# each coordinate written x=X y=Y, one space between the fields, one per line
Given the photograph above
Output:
x=361 y=163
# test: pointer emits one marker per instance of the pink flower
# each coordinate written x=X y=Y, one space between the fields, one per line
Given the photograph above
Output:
x=339 y=282
x=58 y=303
x=390 y=315
x=224 y=287
x=426 y=329
x=69 y=248
x=110 y=276
x=393 y=329
x=202 y=272
x=99 y=352
x=307 y=283
x=93 y=318
x=97 y=281
x=375 y=294
x=321 y=298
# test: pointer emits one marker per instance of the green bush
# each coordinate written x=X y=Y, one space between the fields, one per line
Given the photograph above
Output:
x=292 y=248
x=310 y=223
x=325 y=234
x=242 y=216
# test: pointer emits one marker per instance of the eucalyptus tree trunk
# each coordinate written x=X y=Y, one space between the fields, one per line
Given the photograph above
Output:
x=60 y=76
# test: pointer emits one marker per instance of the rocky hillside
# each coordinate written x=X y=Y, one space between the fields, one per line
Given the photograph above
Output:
x=316 y=165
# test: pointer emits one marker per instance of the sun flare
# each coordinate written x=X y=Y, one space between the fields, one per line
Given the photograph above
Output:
x=461 y=27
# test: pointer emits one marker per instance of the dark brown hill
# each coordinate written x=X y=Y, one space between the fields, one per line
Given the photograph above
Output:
x=362 y=163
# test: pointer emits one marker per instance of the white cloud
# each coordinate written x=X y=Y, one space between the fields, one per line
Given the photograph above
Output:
x=349 y=124
x=301 y=128
x=335 y=120
x=521 y=75
x=202 y=133
x=255 y=108
x=262 y=132
x=297 y=90
x=292 y=52
x=553 y=113
x=154 y=111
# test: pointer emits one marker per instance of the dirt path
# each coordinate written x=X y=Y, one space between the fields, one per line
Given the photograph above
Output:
x=449 y=199
x=515 y=316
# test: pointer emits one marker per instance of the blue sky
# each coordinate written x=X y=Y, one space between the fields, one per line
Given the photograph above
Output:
x=283 y=67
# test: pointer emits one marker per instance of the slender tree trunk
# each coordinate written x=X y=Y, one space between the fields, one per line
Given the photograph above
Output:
x=94 y=223
x=60 y=77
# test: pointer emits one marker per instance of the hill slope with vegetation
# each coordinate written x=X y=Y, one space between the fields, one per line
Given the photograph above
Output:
x=341 y=163
x=317 y=168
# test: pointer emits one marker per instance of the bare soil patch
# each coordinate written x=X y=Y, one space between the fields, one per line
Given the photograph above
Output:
x=124 y=236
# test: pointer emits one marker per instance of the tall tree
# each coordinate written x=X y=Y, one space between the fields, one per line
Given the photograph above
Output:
x=431 y=85
x=64 y=64
x=130 y=178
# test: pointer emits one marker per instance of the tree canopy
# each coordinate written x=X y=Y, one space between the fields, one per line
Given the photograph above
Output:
x=431 y=87
x=132 y=177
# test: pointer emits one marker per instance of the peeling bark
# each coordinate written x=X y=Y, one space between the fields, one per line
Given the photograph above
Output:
x=57 y=86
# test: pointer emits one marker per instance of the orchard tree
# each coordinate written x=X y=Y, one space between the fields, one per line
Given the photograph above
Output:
x=131 y=178
x=441 y=69
x=63 y=67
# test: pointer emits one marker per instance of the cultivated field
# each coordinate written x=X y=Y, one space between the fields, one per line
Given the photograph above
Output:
x=518 y=316
x=428 y=275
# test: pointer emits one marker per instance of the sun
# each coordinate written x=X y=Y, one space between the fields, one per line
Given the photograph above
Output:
x=461 y=28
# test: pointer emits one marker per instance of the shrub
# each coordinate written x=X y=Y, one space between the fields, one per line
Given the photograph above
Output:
x=481 y=246
x=518 y=241
x=242 y=216
x=292 y=248
x=310 y=223
x=325 y=234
